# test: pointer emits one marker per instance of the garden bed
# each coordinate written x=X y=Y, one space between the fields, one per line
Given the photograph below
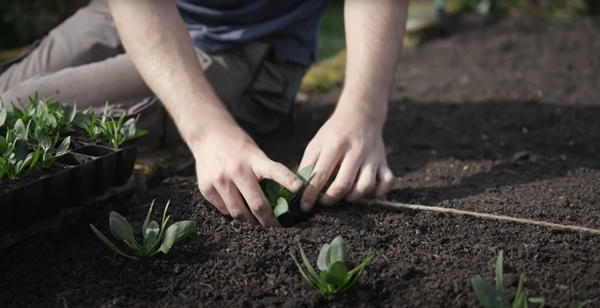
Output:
x=488 y=142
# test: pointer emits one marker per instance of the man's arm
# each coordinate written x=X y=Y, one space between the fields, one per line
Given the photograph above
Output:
x=352 y=137
x=229 y=163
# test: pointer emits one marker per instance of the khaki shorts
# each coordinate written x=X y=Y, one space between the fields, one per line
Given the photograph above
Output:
x=83 y=61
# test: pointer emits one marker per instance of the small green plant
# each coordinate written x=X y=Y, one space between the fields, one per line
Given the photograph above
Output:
x=117 y=131
x=15 y=157
x=490 y=297
x=281 y=198
x=47 y=147
x=334 y=276
x=155 y=238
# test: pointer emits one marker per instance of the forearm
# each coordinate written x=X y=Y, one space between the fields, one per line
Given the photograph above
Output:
x=158 y=43
x=374 y=35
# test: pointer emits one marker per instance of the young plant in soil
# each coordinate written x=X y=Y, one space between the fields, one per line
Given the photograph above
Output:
x=282 y=200
x=118 y=131
x=334 y=276
x=155 y=238
x=15 y=157
x=490 y=297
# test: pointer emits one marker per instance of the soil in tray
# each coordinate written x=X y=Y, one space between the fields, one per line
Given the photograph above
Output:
x=31 y=176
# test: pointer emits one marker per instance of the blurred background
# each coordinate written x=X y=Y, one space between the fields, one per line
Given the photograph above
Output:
x=24 y=21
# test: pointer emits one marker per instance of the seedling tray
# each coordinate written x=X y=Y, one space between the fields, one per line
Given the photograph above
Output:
x=88 y=170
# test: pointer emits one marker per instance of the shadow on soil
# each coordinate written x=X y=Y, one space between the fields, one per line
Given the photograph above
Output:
x=519 y=142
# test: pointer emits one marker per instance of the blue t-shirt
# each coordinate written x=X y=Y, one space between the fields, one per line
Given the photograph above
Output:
x=291 y=26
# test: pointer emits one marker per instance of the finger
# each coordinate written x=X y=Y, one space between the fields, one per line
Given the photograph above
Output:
x=385 y=181
x=279 y=173
x=344 y=181
x=257 y=202
x=309 y=158
x=324 y=166
x=211 y=195
x=365 y=185
x=233 y=200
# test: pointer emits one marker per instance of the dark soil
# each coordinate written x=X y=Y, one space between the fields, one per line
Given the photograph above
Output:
x=518 y=136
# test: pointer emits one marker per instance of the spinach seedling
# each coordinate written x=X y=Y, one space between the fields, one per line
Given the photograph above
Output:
x=47 y=147
x=156 y=239
x=334 y=277
x=118 y=131
x=490 y=297
x=281 y=198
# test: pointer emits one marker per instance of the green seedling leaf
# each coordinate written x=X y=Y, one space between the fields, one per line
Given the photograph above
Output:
x=271 y=190
x=358 y=271
x=308 y=266
x=281 y=208
x=488 y=296
x=176 y=233
x=128 y=129
x=337 y=275
x=21 y=149
x=43 y=138
x=323 y=259
x=3 y=116
x=120 y=228
x=151 y=234
x=147 y=220
x=109 y=243
x=500 y=271
x=313 y=281
x=3 y=145
x=305 y=173
x=337 y=251
x=63 y=148
x=20 y=129
x=541 y=301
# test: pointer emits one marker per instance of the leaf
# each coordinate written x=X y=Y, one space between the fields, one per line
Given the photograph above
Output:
x=271 y=190
x=3 y=115
x=151 y=234
x=82 y=120
x=323 y=260
x=488 y=296
x=337 y=251
x=337 y=275
x=128 y=129
x=500 y=271
x=313 y=281
x=323 y=285
x=147 y=220
x=109 y=243
x=3 y=145
x=305 y=173
x=21 y=149
x=357 y=271
x=176 y=233
x=309 y=267
x=20 y=129
x=63 y=148
x=281 y=208
x=520 y=296
x=43 y=138
x=120 y=228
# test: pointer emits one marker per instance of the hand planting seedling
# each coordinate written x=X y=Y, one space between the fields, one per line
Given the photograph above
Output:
x=279 y=197
x=490 y=297
x=334 y=276
x=156 y=239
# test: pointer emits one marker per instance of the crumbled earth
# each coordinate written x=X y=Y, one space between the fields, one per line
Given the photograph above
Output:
x=500 y=119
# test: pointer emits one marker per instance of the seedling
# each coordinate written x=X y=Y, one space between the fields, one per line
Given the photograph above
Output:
x=156 y=239
x=46 y=146
x=118 y=131
x=490 y=297
x=334 y=276
x=281 y=198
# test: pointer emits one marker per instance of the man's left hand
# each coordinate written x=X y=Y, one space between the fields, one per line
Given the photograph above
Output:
x=352 y=140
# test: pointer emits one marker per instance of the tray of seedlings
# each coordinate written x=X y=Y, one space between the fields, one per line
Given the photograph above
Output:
x=53 y=156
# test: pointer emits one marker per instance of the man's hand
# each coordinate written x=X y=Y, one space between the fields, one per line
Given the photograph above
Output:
x=229 y=166
x=351 y=138
x=352 y=141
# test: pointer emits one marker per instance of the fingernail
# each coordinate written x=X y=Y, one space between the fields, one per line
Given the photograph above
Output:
x=297 y=185
x=306 y=206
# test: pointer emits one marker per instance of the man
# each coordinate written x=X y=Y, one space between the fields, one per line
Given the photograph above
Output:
x=221 y=68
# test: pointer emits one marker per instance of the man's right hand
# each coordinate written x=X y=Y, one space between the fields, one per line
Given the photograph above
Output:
x=229 y=166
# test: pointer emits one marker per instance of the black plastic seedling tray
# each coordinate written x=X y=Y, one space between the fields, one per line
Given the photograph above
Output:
x=86 y=171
